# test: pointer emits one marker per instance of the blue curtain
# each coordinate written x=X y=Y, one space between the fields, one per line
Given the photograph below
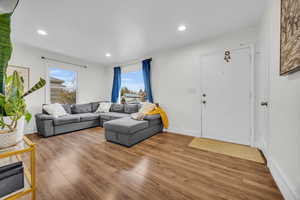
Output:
x=116 y=85
x=147 y=80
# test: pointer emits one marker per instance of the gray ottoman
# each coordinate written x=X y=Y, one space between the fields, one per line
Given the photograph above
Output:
x=127 y=131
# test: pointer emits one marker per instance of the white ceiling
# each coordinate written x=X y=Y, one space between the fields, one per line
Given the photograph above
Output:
x=128 y=29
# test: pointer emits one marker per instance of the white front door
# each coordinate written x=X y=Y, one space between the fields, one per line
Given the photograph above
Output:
x=226 y=100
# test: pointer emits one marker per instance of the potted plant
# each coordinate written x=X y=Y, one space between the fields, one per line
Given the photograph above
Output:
x=13 y=109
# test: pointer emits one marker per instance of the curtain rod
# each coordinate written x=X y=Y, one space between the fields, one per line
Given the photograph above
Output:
x=52 y=59
x=133 y=62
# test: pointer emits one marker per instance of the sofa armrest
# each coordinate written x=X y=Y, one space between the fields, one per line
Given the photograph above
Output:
x=152 y=117
x=42 y=116
x=44 y=124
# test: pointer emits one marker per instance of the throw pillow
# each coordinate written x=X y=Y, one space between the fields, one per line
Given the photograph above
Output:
x=55 y=109
x=104 y=107
x=81 y=108
x=131 y=108
x=115 y=107
x=146 y=107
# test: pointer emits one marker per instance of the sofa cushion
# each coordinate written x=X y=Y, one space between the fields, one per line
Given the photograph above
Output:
x=41 y=116
x=115 y=107
x=88 y=116
x=82 y=108
x=131 y=108
x=154 y=122
x=125 y=125
x=67 y=119
x=152 y=117
x=113 y=115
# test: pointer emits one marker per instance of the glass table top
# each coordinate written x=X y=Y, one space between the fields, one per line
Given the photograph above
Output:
x=20 y=146
x=24 y=157
x=10 y=160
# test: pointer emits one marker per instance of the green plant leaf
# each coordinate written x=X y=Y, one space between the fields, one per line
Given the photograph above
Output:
x=27 y=117
x=8 y=79
x=36 y=87
x=12 y=103
x=5 y=46
x=2 y=100
x=14 y=86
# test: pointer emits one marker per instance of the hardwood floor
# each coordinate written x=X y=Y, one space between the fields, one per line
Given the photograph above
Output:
x=82 y=165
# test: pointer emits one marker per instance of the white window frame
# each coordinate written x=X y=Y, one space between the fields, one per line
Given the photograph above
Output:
x=59 y=66
x=127 y=69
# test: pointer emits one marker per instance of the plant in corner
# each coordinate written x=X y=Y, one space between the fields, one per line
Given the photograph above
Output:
x=13 y=109
x=12 y=103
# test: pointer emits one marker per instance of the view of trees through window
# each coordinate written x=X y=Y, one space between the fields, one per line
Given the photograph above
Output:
x=132 y=87
x=62 y=86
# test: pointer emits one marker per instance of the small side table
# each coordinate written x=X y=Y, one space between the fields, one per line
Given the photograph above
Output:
x=15 y=154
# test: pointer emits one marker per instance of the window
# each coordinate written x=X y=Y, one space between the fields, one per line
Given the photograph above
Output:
x=63 y=86
x=132 y=85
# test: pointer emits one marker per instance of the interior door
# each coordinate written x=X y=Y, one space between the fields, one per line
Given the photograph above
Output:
x=226 y=96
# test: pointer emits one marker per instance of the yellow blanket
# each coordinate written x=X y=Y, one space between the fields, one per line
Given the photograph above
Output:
x=163 y=115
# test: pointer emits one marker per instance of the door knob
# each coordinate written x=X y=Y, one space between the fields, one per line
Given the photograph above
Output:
x=264 y=103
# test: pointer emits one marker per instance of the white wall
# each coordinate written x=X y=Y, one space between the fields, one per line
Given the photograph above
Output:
x=282 y=142
x=176 y=79
x=91 y=84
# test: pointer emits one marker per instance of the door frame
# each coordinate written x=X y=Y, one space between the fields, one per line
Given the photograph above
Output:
x=251 y=48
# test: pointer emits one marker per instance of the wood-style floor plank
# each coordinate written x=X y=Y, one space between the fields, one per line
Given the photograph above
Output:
x=82 y=165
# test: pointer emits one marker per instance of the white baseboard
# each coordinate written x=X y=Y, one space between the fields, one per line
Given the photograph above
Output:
x=29 y=131
x=183 y=132
x=279 y=176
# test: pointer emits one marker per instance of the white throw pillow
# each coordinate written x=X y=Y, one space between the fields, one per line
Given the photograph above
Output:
x=56 y=109
x=146 y=107
x=104 y=107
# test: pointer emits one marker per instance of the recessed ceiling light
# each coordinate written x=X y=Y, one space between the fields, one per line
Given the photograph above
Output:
x=181 y=28
x=108 y=55
x=42 y=32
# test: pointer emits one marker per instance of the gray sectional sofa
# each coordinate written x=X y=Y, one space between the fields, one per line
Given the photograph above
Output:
x=119 y=127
